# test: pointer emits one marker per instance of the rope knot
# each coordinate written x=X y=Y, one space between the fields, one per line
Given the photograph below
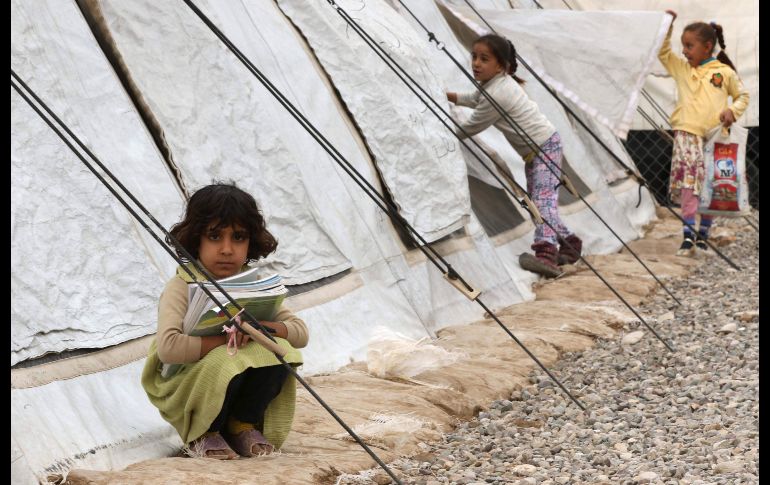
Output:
x=232 y=348
x=432 y=38
x=232 y=330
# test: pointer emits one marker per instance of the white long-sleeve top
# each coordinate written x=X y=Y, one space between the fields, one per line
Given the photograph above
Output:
x=512 y=98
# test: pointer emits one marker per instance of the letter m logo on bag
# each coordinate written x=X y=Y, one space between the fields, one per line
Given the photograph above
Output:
x=725 y=187
x=725 y=182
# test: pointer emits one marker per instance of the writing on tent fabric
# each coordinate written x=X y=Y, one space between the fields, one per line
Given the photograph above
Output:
x=418 y=158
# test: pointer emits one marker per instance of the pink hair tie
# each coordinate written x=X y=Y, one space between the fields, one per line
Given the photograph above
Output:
x=231 y=331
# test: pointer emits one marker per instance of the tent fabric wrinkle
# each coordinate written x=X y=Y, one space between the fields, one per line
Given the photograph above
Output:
x=76 y=255
x=175 y=73
x=418 y=159
x=85 y=275
x=599 y=60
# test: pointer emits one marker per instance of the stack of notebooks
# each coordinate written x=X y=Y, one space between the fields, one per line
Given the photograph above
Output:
x=260 y=297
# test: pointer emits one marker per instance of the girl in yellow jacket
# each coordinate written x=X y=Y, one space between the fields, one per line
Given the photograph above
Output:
x=703 y=83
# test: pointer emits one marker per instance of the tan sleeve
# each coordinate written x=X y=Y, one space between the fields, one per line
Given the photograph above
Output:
x=174 y=347
x=483 y=116
x=739 y=94
x=297 y=333
x=469 y=100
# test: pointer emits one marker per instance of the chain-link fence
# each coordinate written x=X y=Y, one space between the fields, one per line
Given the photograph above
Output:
x=651 y=150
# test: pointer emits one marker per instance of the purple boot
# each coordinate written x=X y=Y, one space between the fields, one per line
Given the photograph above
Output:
x=544 y=261
x=567 y=254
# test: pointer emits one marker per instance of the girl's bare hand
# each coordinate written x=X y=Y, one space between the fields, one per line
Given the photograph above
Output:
x=727 y=117
x=241 y=338
x=672 y=13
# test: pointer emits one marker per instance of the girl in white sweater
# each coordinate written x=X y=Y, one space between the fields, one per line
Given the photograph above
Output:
x=494 y=66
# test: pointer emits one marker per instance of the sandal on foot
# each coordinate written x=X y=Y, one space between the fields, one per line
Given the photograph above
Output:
x=250 y=443
x=211 y=445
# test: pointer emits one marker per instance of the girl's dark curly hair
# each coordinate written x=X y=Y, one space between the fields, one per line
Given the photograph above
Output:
x=223 y=204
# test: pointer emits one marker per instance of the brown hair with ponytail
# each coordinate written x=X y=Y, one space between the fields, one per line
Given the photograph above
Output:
x=711 y=32
x=504 y=51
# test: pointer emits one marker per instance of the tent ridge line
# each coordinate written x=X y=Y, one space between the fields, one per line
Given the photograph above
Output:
x=92 y=12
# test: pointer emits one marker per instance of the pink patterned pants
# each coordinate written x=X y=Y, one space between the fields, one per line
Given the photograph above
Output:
x=541 y=185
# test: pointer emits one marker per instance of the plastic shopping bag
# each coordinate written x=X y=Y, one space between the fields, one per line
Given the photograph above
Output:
x=725 y=188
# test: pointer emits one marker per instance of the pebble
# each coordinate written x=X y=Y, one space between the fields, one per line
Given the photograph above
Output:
x=688 y=417
x=748 y=316
x=646 y=477
x=632 y=338
x=734 y=466
x=524 y=470
x=730 y=327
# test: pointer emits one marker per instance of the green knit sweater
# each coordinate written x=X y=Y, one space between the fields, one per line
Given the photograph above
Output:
x=191 y=399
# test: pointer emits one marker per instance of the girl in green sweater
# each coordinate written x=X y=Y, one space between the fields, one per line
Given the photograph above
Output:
x=222 y=405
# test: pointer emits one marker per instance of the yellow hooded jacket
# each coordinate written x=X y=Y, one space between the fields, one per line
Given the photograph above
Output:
x=703 y=91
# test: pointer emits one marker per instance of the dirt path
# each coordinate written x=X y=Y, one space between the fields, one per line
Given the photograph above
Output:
x=567 y=316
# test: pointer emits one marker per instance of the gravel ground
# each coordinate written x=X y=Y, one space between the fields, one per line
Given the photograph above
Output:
x=691 y=417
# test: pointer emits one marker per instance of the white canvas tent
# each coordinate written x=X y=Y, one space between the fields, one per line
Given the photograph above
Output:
x=740 y=21
x=81 y=263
